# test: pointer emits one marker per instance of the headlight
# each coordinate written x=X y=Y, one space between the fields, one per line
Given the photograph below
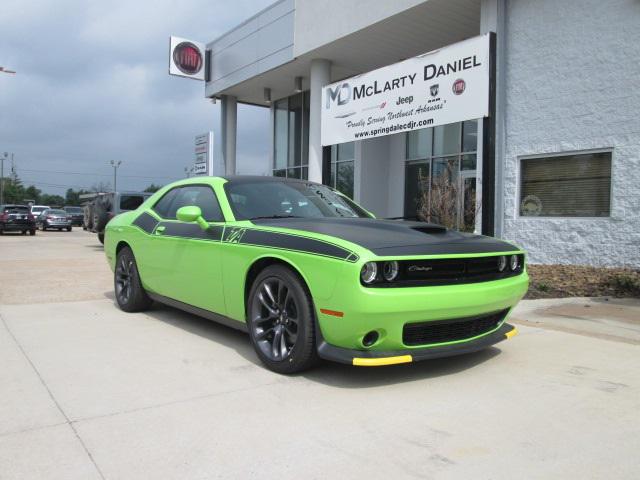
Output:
x=502 y=263
x=513 y=262
x=390 y=270
x=369 y=272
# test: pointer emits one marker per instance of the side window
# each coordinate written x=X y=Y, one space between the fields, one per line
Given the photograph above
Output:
x=163 y=205
x=198 y=195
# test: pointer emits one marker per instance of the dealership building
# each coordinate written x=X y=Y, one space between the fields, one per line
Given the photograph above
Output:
x=529 y=113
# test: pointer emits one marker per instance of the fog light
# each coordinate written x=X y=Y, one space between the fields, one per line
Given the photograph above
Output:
x=370 y=338
x=390 y=270
x=513 y=263
x=502 y=263
x=369 y=272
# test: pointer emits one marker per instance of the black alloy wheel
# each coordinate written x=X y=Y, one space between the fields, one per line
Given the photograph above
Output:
x=281 y=322
x=130 y=293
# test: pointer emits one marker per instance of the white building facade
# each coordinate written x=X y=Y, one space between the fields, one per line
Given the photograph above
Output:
x=562 y=175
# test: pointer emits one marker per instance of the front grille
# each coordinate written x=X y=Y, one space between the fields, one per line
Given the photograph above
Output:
x=441 y=331
x=449 y=271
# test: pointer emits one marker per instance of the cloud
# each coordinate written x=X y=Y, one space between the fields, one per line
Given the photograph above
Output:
x=92 y=85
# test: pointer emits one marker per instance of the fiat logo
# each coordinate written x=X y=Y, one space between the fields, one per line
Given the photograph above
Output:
x=459 y=86
x=187 y=58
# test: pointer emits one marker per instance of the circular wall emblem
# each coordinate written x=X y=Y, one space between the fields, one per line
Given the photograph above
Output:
x=458 y=86
x=187 y=58
x=530 y=206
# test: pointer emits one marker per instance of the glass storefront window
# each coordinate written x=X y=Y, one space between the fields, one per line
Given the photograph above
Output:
x=419 y=143
x=446 y=139
x=342 y=167
x=291 y=136
x=470 y=136
x=281 y=126
x=440 y=175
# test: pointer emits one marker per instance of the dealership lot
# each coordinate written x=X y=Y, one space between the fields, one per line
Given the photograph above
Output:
x=88 y=391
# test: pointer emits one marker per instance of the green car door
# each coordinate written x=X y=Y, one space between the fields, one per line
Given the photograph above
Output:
x=182 y=261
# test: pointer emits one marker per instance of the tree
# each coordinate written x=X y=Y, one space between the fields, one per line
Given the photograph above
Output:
x=73 y=197
x=153 y=188
x=101 y=187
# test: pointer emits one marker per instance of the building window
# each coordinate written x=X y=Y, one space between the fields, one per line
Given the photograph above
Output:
x=574 y=185
x=342 y=160
x=440 y=175
x=291 y=136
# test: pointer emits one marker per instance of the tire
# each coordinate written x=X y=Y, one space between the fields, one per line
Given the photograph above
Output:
x=23 y=232
x=68 y=229
x=101 y=238
x=281 y=321
x=43 y=228
x=32 y=232
x=130 y=293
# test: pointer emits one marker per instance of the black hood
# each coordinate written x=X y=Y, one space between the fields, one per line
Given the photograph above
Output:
x=394 y=238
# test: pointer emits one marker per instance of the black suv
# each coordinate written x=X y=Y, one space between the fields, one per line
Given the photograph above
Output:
x=17 y=218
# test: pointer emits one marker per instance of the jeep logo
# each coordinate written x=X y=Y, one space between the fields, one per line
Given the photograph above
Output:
x=340 y=94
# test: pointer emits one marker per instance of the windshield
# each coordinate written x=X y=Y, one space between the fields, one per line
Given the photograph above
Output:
x=277 y=199
x=56 y=212
x=73 y=209
x=37 y=209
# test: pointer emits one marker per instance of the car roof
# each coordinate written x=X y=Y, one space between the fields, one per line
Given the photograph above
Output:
x=239 y=179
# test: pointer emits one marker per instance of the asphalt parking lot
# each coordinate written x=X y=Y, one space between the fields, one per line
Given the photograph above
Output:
x=87 y=391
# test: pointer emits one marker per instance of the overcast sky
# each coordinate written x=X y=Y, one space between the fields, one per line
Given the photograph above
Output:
x=92 y=85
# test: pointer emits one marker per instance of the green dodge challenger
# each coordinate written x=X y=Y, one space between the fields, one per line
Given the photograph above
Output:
x=310 y=274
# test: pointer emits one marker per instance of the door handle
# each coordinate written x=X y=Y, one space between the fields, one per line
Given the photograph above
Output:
x=160 y=230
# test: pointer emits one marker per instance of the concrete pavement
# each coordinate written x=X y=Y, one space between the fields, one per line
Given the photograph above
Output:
x=88 y=391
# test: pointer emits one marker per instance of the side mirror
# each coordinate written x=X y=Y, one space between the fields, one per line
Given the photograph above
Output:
x=191 y=214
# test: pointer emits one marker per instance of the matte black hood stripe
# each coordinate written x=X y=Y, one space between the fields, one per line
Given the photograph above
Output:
x=392 y=238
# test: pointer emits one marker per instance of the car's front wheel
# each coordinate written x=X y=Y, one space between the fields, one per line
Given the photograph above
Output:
x=130 y=293
x=281 y=321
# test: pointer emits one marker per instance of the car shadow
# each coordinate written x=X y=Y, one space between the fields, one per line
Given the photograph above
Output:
x=327 y=373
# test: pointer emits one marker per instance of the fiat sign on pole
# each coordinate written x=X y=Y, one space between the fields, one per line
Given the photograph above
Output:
x=186 y=58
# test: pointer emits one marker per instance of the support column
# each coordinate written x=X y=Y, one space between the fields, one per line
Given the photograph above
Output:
x=320 y=76
x=228 y=123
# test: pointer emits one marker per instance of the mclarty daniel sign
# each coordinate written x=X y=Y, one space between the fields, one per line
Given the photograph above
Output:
x=444 y=86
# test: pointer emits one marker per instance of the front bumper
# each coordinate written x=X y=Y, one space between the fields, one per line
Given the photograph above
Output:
x=374 y=358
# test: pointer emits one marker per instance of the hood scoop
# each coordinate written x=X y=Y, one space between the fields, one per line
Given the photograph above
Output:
x=430 y=229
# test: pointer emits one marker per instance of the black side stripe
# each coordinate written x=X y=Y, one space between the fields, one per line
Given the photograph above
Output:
x=146 y=222
x=245 y=236
x=191 y=230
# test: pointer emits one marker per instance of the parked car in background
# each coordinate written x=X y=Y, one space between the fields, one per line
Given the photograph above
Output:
x=108 y=205
x=77 y=215
x=36 y=210
x=54 y=218
x=16 y=218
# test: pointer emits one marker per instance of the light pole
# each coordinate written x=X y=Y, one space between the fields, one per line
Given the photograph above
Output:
x=115 y=166
x=2 y=159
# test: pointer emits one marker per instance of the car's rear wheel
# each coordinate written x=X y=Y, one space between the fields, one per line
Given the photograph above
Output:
x=101 y=237
x=32 y=232
x=130 y=293
x=68 y=229
x=281 y=321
